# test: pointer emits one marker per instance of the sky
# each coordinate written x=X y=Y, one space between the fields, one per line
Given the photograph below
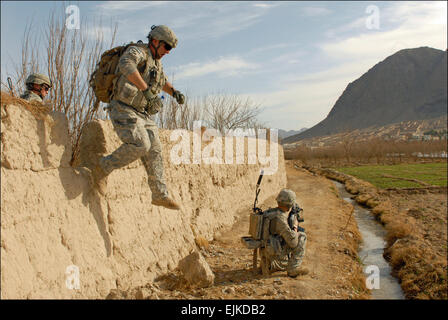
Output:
x=293 y=58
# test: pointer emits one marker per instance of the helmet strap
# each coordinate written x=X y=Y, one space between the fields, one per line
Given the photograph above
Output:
x=37 y=91
x=156 y=49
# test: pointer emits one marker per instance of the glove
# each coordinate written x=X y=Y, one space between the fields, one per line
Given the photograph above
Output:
x=180 y=98
x=154 y=103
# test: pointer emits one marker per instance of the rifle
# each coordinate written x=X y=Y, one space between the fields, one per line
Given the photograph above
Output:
x=11 y=89
x=294 y=217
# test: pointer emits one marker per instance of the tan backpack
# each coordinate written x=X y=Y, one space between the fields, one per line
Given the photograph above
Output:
x=102 y=79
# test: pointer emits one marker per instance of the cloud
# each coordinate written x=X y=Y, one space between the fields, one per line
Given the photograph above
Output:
x=219 y=18
x=293 y=57
x=100 y=33
x=315 y=11
x=265 y=5
x=265 y=48
x=120 y=6
x=409 y=15
x=415 y=12
x=358 y=24
x=309 y=98
x=416 y=25
x=302 y=100
x=222 y=20
x=224 y=66
x=306 y=99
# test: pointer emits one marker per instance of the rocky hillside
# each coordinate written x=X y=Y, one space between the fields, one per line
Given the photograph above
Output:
x=409 y=85
x=405 y=130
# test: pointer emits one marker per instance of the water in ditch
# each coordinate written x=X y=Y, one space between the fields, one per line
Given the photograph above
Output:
x=371 y=251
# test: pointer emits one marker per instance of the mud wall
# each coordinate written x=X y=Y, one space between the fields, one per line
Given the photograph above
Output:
x=54 y=227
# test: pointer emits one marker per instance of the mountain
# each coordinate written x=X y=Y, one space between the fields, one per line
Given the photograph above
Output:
x=282 y=134
x=408 y=85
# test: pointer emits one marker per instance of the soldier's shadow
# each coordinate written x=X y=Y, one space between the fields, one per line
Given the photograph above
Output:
x=98 y=207
x=42 y=134
x=239 y=276
x=96 y=204
x=235 y=276
x=76 y=183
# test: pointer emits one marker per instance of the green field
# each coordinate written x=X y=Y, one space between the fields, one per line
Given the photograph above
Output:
x=432 y=174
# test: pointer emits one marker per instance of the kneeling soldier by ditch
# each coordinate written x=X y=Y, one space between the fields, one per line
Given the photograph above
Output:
x=287 y=241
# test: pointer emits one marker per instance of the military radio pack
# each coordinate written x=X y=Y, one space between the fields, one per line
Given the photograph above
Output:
x=259 y=224
x=102 y=79
x=255 y=222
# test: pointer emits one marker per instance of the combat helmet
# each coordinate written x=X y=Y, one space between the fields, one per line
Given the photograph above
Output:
x=163 y=33
x=286 y=197
x=37 y=78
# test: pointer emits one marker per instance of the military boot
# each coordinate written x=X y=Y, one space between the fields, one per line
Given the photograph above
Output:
x=86 y=173
x=96 y=178
x=297 y=272
x=166 y=202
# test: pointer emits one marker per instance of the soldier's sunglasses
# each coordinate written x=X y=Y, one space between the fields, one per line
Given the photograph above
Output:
x=45 y=87
x=167 y=46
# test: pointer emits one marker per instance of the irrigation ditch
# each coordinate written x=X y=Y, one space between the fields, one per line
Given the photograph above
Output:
x=363 y=197
x=379 y=273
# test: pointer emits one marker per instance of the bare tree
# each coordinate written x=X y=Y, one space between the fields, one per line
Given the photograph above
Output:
x=222 y=112
x=228 y=112
x=174 y=116
x=375 y=150
x=347 y=143
x=70 y=57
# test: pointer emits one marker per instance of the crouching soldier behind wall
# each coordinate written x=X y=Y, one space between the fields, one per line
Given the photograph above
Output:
x=134 y=103
x=37 y=86
x=287 y=241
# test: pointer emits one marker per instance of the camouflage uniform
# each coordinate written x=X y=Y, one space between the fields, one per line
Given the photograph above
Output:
x=285 y=247
x=292 y=243
x=31 y=96
x=133 y=124
x=35 y=78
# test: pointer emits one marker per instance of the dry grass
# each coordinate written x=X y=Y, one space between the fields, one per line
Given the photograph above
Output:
x=416 y=225
x=398 y=227
x=413 y=256
x=39 y=110
x=423 y=275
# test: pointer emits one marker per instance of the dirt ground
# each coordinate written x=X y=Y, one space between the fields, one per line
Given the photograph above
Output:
x=331 y=255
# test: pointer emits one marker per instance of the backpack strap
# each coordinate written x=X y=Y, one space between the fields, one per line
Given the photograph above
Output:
x=268 y=215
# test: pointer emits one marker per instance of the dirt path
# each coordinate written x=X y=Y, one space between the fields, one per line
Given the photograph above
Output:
x=330 y=254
